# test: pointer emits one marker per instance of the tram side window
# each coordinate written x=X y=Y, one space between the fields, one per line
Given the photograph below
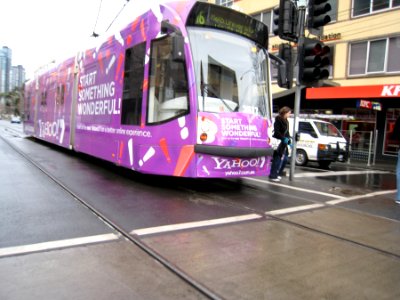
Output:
x=168 y=92
x=133 y=85
x=28 y=106
x=60 y=93
x=43 y=100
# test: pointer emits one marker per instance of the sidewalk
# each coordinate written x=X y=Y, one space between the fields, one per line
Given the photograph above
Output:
x=382 y=165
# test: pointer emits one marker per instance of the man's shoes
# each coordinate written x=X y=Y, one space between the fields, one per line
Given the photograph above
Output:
x=279 y=177
x=397 y=202
x=275 y=179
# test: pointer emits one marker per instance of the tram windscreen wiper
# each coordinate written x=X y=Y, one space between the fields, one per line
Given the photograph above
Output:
x=208 y=90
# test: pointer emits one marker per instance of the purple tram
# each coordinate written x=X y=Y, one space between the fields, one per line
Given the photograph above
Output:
x=181 y=91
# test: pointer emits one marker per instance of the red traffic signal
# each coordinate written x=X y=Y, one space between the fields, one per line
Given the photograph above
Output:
x=314 y=61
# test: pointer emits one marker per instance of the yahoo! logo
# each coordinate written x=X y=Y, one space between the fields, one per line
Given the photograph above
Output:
x=53 y=129
x=233 y=163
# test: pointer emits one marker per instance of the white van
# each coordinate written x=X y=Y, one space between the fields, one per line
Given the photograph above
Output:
x=318 y=141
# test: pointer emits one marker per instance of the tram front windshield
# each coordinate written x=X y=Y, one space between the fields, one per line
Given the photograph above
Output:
x=231 y=73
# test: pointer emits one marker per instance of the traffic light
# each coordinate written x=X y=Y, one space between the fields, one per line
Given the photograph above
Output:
x=314 y=61
x=318 y=15
x=285 y=73
x=275 y=19
x=285 y=20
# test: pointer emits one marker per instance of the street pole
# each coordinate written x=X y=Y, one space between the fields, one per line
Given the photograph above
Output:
x=300 y=27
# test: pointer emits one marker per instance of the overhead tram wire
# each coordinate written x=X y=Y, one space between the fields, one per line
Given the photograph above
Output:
x=368 y=5
x=360 y=17
x=94 y=34
x=117 y=15
x=351 y=33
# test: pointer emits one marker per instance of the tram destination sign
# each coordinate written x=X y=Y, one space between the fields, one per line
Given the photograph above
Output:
x=219 y=17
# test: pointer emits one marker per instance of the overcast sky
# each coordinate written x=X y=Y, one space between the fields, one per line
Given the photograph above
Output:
x=39 y=31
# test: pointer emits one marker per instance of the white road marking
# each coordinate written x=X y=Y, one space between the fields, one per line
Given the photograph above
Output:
x=294 y=188
x=352 y=198
x=294 y=209
x=57 y=244
x=198 y=224
x=339 y=173
x=181 y=226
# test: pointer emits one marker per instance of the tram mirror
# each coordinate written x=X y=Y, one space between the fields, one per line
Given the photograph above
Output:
x=178 y=42
x=166 y=27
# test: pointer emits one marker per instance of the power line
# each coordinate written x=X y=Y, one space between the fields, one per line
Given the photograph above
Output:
x=377 y=8
x=349 y=22
x=117 y=15
x=383 y=26
x=94 y=34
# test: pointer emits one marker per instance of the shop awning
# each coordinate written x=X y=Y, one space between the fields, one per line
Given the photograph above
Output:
x=367 y=91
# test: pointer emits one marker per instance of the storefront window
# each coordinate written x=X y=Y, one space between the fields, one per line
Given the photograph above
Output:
x=391 y=145
x=360 y=129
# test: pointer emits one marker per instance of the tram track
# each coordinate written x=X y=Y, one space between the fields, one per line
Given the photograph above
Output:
x=208 y=192
x=134 y=239
x=321 y=205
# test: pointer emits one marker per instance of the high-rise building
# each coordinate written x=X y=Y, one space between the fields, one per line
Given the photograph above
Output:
x=5 y=68
x=10 y=76
x=17 y=76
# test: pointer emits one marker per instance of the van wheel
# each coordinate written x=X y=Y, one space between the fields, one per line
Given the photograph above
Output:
x=301 y=157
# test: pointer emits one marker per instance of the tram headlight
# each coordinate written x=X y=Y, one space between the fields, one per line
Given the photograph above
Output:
x=203 y=137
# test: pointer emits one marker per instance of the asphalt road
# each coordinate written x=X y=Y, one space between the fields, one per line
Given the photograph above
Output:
x=327 y=234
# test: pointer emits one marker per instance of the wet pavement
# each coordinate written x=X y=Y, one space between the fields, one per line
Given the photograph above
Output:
x=328 y=234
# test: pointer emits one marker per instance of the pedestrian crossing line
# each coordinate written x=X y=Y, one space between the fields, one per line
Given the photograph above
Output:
x=356 y=197
x=339 y=173
x=25 y=249
x=235 y=219
x=294 y=209
x=295 y=188
x=197 y=224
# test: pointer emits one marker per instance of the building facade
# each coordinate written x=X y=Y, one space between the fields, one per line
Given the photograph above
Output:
x=5 y=69
x=17 y=76
x=10 y=76
x=364 y=82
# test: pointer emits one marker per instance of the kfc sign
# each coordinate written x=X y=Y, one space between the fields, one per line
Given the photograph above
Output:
x=390 y=90
x=365 y=91
x=369 y=105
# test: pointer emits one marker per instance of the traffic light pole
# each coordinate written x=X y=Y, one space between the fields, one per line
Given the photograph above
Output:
x=301 y=18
